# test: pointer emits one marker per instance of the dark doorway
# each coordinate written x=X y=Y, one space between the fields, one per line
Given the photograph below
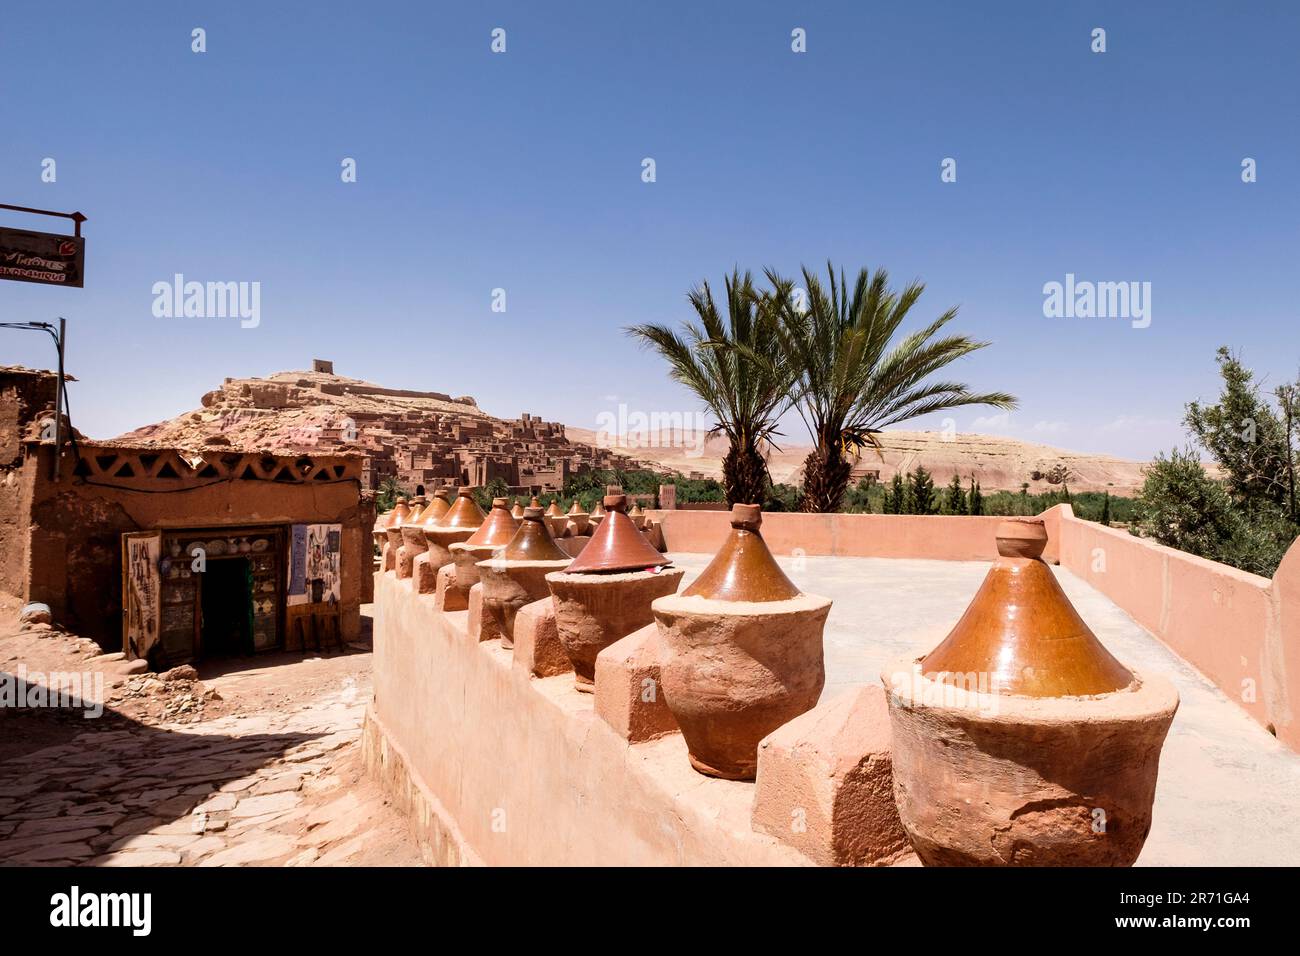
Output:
x=227 y=624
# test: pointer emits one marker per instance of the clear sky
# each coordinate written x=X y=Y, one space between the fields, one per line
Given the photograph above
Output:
x=523 y=171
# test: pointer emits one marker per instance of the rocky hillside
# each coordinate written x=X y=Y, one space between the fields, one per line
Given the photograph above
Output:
x=294 y=411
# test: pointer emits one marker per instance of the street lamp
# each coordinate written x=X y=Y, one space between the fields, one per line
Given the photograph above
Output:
x=60 y=338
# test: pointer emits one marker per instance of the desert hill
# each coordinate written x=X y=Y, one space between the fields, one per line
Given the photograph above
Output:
x=997 y=463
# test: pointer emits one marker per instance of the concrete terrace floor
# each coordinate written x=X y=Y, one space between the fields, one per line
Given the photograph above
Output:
x=1228 y=792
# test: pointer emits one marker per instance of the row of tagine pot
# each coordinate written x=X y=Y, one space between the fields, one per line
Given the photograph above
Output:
x=1019 y=740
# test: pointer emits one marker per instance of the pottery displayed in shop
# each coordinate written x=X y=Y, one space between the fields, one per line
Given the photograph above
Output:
x=741 y=651
x=497 y=531
x=517 y=575
x=1020 y=740
x=606 y=592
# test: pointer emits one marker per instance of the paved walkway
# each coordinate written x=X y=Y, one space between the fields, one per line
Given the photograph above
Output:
x=1228 y=794
x=279 y=782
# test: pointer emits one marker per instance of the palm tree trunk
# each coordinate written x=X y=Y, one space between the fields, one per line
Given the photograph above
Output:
x=826 y=476
x=744 y=474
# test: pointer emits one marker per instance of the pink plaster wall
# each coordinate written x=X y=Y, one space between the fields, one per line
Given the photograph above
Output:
x=527 y=771
x=941 y=537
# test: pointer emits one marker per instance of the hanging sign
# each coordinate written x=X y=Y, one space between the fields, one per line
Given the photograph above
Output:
x=42 y=257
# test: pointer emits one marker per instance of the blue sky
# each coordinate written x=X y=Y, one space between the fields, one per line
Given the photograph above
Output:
x=522 y=171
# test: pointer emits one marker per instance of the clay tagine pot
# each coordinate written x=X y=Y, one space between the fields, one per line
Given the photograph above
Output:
x=606 y=593
x=393 y=533
x=741 y=651
x=576 y=521
x=517 y=511
x=517 y=575
x=1020 y=740
x=616 y=545
x=412 y=531
x=497 y=531
x=458 y=524
x=377 y=531
x=637 y=516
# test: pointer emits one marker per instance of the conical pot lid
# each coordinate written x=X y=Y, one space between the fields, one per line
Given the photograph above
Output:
x=434 y=511
x=417 y=509
x=517 y=511
x=576 y=509
x=599 y=510
x=1022 y=631
x=534 y=503
x=465 y=513
x=553 y=509
x=743 y=569
x=616 y=544
x=398 y=514
x=499 y=528
x=533 y=541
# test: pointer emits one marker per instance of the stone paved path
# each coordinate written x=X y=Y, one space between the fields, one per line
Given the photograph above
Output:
x=280 y=785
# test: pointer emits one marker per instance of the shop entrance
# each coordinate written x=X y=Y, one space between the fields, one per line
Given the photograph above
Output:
x=191 y=593
x=226 y=608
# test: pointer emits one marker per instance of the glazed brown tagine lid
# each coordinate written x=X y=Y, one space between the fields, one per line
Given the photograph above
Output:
x=465 y=513
x=576 y=509
x=534 y=503
x=499 y=527
x=418 y=505
x=616 y=544
x=398 y=514
x=599 y=510
x=533 y=541
x=553 y=509
x=517 y=511
x=437 y=507
x=1022 y=631
x=743 y=569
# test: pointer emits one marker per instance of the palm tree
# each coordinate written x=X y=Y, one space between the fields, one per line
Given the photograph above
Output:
x=852 y=383
x=736 y=368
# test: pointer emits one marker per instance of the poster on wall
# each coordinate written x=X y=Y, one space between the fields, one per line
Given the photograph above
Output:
x=314 y=564
x=142 y=585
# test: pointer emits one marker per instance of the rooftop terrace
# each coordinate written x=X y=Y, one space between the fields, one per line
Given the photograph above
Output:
x=1228 y=792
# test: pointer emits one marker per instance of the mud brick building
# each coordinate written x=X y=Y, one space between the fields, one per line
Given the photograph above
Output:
x=174 y=554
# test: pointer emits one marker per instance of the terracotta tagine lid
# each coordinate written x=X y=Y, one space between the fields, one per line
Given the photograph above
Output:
x=599 y=510
x=465 y=513
x=398 y=514
x=743 y=569
x=517 y=511
x=533 y=541
x=534 y=503
x=616 y=545
x=499 y=528
x=438 y=506
x=418 y=504
x=553 y=509
x=1022 y=631
x=576 y=509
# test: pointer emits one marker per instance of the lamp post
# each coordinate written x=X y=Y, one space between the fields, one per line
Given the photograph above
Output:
x=60 y=339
